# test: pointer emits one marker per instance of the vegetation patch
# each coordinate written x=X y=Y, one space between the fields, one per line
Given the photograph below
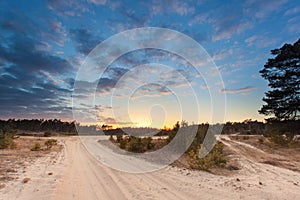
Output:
x=134 y=144
x=7 y=140
x=214 y=159
x=50 y=143
x=36 y=147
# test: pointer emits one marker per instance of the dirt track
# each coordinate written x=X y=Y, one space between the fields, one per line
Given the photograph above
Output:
x=75 y=174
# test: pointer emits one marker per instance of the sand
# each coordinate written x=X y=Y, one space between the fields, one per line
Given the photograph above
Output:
x=75 y=174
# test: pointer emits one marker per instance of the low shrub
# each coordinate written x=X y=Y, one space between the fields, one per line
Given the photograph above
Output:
x=119 y=137
x=123 y=143
x=36 y=147
x=214 y=158
x=50 y=143
x=282 y=140
x=261 y=140
x=135 y=145
x=245 y=137
x=6 y=140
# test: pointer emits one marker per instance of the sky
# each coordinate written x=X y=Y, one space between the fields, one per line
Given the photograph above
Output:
x=45 y=47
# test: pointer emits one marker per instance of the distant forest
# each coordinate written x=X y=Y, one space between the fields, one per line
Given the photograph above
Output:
x=60 y=127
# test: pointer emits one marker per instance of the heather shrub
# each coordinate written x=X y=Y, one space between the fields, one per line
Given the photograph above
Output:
x=36 y=147
x=215 y=158
x=119 y=137
x=135 y=145
x=6 y=140
x=50 y=143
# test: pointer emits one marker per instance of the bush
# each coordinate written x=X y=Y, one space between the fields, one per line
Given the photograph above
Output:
x=50 y=143
x=36 y=147
x=119 y=137
x=6 y=140
x=135 y=145
x=261 y=140
x=246 y=137
x=123 y=143
x=282 y=140
x=147 y=143
x=214 y=158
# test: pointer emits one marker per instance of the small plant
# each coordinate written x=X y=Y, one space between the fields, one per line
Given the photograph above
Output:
x=119 y=138
x=282 y=140
x=123 y=143
x=50 y=143
x=245 y=137
x=36 y=147
x=6 y=140
x=261 y=140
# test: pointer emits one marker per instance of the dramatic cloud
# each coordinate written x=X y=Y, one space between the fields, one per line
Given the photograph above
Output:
x=30 y=72
x=42 y=45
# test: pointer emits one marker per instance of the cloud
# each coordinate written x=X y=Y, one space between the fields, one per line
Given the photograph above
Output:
x=261 y=41
x=204 y=87
x=230 y=24
x=128 y=18
x=31 y=83
x=251 y=40
x=32 y=59
x=244 y=90
x=106 y=84
x=151 y=90
x=262 y=9
x=179 y=7
x=20 y=24
x=292 y=11
x=98 y=2
x=55 y=32
x=68 y=8
x=110 y=120
x=198 y=19
x=85 y=40
x=223 y=54
x=182 y=8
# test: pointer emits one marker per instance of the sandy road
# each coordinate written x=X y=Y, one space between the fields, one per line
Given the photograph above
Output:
x=86 y=178
x=78 y=175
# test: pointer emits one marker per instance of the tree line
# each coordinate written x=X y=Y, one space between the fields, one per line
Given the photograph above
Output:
x=38 y=125
x=56 y=125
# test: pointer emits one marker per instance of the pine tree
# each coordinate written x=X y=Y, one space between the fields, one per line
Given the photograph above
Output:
x=283 y=74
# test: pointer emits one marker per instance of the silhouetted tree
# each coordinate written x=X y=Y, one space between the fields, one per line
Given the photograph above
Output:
x=283 y=74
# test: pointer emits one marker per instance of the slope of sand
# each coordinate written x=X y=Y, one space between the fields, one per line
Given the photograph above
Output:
x=75 y=174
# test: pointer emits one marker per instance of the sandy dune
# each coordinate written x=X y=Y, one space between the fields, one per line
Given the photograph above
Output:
x=75 y=174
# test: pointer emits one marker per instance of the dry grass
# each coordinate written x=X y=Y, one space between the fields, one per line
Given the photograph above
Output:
x=276 y=155
x=284 y=157
x=14 y=161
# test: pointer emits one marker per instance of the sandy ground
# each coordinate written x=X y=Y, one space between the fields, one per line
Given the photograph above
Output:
x=75 y=174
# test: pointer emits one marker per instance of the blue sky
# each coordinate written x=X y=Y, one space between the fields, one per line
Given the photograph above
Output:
x=44 y=43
